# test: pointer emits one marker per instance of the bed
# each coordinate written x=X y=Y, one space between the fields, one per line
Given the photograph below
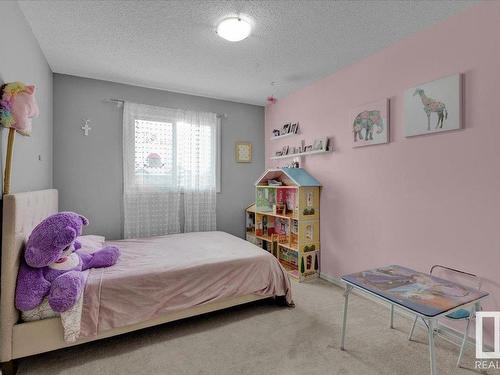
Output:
x=225 y=258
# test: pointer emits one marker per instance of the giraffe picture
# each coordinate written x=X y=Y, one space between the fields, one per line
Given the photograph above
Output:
x=434 y=106
x=370 y=123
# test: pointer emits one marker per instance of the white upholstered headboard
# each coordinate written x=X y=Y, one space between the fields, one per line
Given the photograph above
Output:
x=21 y=213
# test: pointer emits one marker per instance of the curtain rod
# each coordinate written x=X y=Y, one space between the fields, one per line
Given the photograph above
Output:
x=119 y=102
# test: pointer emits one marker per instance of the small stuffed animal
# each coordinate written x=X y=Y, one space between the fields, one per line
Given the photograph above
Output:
x=52 y=265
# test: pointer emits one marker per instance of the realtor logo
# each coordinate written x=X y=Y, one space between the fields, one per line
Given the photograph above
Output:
x=480 y=354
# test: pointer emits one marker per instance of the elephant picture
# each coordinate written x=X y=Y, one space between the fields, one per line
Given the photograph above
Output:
x=367 y=120
x=370 y=124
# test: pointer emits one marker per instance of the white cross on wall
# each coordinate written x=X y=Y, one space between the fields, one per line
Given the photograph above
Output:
x=86 y=128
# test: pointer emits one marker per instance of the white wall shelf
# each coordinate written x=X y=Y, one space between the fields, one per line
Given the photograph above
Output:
x=315 y=152
x=273 y=138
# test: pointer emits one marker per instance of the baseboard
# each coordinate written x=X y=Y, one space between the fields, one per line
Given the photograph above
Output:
x=332 y=279
x=448 y=333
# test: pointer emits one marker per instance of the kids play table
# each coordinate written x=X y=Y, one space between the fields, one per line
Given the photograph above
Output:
x=418 y=293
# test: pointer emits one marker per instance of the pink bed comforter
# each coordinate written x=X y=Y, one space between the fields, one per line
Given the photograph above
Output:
x=163 y=274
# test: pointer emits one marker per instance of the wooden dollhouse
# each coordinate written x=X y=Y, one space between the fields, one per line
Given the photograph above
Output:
x=284 y=220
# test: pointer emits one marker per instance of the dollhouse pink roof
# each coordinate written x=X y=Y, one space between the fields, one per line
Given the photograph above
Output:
x=289 y=177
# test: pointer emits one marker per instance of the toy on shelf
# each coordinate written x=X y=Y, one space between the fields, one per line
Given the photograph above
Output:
x=250 y=219
x=265 y=199
x=285 y=219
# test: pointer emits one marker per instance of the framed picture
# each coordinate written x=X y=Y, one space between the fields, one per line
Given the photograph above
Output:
x=243 y=152
x=285 y=129
x=434 y=107
x=370 y=123
x=320 y=144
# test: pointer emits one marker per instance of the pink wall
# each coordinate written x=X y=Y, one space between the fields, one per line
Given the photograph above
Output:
x=414 y=201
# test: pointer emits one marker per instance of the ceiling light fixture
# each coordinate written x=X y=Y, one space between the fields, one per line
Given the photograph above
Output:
x=234 y=29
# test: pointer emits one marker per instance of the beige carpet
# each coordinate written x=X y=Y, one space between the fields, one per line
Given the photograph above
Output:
x=262 y=338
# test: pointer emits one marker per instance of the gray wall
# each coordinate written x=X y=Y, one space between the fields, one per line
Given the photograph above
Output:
x=21 y=59
x=88 y=170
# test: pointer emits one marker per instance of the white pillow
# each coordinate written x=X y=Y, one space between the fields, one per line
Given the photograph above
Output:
x=91 y=243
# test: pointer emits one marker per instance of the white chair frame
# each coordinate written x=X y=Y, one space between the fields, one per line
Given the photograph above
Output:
x=472 y=312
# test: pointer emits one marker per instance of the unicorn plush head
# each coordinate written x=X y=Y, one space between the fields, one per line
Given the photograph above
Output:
x=18 y=106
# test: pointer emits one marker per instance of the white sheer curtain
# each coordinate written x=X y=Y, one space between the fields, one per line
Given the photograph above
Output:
x=169 y=170
x=196 y=158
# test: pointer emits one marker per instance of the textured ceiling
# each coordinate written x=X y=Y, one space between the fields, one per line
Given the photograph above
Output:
x=172 y=45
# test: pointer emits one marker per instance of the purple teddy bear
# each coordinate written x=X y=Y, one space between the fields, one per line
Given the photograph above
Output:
x=53 y=267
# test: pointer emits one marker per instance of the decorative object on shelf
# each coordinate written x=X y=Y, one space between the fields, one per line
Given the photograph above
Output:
x=277 y=222
x=243 y=152
x=295 y=163
x=370 y=123
x=320 y=146
x=285 y=129
x=274 y=183
x=434 y=106
x=86 y=128
x=280 y=209
x=294 y=128
x=17 y=108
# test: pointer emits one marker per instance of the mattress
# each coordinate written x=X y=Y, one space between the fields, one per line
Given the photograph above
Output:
x=164 y=274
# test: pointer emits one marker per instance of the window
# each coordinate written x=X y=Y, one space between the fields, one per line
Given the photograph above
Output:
x=173 y=149
x=163 y=155
x=166 y=153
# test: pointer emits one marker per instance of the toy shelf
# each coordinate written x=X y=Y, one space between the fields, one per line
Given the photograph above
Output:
x=300 y=154
x=291 y=269
x=289 y=247
x=277 y=186
x=265 y=238
x=285 y=220
x=284 y=216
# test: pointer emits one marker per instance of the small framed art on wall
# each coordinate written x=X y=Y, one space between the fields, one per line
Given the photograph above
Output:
x=370 y=123
x=243 y=152
x=434 y=107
